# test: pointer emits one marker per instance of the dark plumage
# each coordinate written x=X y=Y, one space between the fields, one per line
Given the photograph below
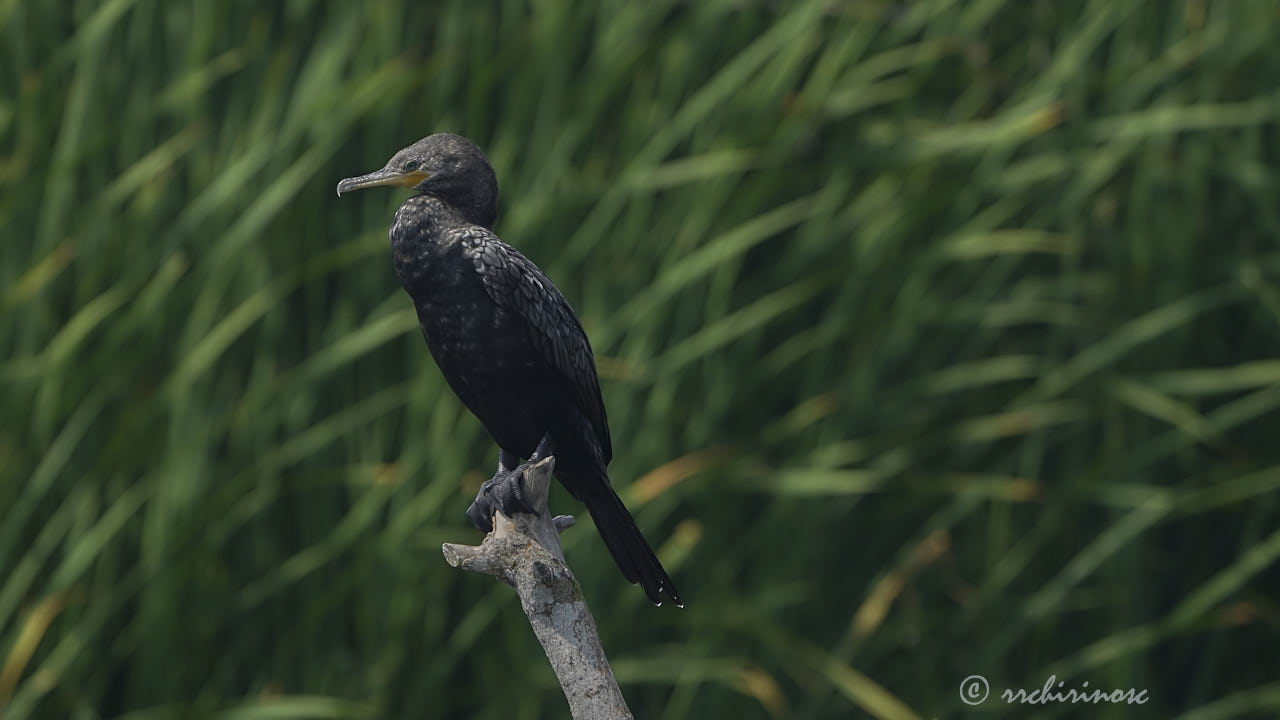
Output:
x=507 y=341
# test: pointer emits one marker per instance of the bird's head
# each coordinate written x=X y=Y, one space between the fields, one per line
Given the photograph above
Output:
x=443 y=165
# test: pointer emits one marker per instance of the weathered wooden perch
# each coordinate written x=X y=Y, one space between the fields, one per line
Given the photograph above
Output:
x=524 y=552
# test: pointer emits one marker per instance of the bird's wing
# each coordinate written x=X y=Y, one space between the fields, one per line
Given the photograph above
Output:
x=518 y=285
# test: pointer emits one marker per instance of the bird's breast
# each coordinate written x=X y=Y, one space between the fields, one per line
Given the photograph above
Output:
x=467 y=332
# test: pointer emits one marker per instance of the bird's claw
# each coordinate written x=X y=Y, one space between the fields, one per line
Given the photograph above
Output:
x=481 y=515
x=503 y=492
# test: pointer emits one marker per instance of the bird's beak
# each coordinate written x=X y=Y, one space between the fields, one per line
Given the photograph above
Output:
x=381 y=178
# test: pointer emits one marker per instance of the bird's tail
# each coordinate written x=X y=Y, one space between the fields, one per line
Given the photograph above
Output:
x=627 y=545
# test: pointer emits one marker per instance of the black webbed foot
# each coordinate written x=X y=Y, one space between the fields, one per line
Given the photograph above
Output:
x=504 y=491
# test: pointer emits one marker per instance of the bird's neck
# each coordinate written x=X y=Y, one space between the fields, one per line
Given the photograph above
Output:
x=431 y=214
x=472 y=206
x=419 y=235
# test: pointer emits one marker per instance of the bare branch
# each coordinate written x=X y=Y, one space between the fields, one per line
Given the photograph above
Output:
x=524 y=552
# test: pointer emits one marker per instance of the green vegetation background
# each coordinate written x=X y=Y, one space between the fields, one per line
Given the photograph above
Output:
x=938 y=338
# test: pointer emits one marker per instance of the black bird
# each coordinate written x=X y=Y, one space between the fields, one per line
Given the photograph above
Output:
x=507 y=341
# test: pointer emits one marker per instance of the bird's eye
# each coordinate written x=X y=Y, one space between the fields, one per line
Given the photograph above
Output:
x=411 y=166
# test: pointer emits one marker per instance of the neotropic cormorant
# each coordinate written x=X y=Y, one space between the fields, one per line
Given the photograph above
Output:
x=507 y=342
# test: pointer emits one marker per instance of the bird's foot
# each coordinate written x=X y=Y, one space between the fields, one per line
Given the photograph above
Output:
x=503 y=492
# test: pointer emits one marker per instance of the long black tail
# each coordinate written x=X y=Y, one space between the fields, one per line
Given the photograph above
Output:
x=634 y=556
